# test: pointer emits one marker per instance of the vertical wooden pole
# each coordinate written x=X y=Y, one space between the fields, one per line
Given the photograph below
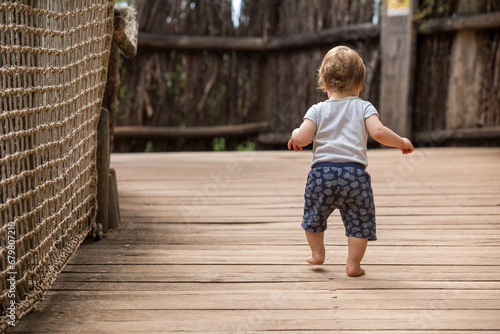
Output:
x=263 y=88
x=398 y=45
x=110 y=97
x=103 y=170
x=114 y=207
x=467 y=68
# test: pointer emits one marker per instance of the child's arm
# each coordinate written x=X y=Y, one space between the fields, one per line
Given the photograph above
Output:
x=302 y=136
x=386 y=136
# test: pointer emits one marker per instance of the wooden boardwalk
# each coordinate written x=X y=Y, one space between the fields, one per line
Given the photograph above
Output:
x=212 y=244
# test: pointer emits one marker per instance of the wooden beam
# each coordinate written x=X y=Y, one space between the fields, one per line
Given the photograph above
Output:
x=201 y=42
x=473 y=22
x=440 y=136
x=323 y=37
x=327 y=36
x=189 y=132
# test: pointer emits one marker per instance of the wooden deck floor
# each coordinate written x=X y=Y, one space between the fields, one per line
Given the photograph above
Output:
x=212 y=244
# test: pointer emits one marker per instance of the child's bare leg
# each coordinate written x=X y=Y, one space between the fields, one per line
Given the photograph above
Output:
x=317 y=244
x=356 y=251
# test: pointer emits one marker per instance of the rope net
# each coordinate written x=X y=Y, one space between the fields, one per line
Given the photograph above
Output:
x=53 y=62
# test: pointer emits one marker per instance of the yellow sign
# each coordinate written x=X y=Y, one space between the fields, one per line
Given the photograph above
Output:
x=398 y=7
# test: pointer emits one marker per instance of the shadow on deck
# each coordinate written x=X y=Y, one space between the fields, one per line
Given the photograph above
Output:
x=211 y=242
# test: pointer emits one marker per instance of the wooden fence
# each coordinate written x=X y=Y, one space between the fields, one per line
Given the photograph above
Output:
x=196 y=74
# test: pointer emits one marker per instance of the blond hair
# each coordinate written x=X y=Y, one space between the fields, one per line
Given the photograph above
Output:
x=342 y=70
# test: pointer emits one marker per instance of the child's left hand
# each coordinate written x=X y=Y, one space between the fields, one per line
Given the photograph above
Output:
x=407 y=147
x=296 y=147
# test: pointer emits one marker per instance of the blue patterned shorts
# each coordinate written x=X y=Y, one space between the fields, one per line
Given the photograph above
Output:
x=341 y=185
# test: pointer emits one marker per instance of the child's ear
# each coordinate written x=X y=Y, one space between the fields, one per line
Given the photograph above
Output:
x=325 y=84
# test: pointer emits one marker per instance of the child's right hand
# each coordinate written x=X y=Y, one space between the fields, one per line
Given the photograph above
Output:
x=407 y=146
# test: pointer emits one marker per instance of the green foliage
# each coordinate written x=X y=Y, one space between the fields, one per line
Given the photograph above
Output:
x=122 y=91
x=431 y=9
x=246 y=146
x=219 y=144
x=149 y=147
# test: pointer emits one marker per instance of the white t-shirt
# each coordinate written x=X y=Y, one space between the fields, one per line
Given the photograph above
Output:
x=341 y=134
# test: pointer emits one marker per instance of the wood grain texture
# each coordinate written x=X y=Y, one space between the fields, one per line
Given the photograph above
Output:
x=211 y=243
x=398 y=47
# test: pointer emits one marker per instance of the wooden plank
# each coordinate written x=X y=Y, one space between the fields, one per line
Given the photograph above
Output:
x=393 y=231
x=198 y=321
x=251 y=300
x=255 y=270
x=382 y=199
x=167 y=211
x=122 y=285
x=420 y=273
x=410 y=255
x=491 y=220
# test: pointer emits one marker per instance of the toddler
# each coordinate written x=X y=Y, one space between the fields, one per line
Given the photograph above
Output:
x=338 y=129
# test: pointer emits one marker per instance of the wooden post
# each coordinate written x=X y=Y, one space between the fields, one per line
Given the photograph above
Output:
x=398 y=38
x=114 y=219
x=102 y=171
x=125 y=39
x=110 y=97
x=467 y=68
x=263 y=89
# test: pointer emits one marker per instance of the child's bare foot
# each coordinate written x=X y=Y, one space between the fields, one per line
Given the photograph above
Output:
x=317 y=244
x=356 y=251
x=316 y=259
x=354 y=270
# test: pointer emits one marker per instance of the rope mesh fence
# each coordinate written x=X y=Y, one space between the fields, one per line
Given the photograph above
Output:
x=53 y=62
